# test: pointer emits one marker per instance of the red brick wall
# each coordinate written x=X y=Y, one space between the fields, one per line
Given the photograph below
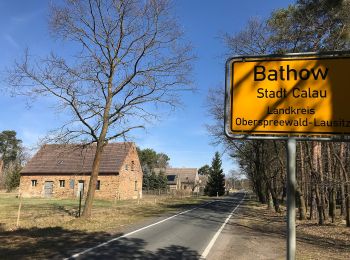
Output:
x=128 y=176
x=108 y=185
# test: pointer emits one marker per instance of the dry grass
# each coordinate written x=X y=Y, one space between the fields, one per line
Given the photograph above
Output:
x=108 y=216
x=49 y=228
x=330 y=241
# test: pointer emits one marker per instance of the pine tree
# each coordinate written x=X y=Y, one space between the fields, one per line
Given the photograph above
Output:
x=216 y=180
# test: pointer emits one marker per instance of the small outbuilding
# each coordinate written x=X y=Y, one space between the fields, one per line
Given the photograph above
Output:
x=63 y=171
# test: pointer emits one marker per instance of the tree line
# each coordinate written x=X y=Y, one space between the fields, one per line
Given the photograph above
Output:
x=322 y=167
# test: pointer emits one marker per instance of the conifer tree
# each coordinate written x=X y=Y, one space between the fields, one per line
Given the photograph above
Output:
x=216 y=180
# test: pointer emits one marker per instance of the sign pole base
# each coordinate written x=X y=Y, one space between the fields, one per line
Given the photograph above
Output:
x=291 y=184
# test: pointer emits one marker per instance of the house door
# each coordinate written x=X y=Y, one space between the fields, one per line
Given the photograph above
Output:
x=80 y=188
x=48 y=188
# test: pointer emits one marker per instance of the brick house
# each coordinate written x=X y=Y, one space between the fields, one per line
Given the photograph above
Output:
x=62 y=171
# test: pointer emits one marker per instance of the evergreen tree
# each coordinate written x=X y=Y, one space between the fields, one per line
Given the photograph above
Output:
x=12 y=176
x=12 y=156
x=153 y=181
x=204 y=170
x=150 y=160
x=216 y=180
x=10 y=147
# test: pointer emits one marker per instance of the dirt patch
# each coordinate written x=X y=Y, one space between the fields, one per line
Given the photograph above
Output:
x=257 y=233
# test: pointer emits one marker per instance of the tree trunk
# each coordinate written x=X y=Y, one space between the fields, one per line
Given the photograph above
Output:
x=99 y=149
x=260 y=183
x=332 y=194
x=319 y=205
x=272 y=191
x=317 y=174
x=346 y=188
x=270 y=201
x=333 y=206
x=312 y=205
x=347 y=206
x=302 y=207
x=342 y=196
x=92 y=182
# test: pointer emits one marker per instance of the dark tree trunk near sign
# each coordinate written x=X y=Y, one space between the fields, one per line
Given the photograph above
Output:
x=302 y=207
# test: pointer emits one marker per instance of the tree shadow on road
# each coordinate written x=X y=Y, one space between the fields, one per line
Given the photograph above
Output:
x=58 y=243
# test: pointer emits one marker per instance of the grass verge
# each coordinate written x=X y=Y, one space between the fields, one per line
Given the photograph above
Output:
x=49 y=228
x=107 y=216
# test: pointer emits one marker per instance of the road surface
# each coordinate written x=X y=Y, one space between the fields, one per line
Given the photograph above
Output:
x=187 y=235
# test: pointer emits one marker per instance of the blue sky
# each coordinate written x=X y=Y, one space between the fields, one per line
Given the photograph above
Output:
x=180 y=134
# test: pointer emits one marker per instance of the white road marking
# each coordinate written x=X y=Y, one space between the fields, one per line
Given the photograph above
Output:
x=212 y=241
x=133 y=232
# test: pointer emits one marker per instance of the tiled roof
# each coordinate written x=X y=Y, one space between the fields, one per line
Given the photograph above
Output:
x=75 y=158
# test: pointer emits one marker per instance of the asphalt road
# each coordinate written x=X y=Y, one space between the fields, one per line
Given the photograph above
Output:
x=184 y=236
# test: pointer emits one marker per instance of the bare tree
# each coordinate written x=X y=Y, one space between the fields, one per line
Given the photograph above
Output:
x=131 y=59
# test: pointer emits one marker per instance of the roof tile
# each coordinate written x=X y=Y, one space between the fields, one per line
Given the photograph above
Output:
x=76 y=158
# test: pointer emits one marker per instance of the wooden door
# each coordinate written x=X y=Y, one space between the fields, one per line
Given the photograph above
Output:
x=48 y=188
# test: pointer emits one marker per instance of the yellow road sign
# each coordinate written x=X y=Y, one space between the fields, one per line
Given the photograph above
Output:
x=288 y=95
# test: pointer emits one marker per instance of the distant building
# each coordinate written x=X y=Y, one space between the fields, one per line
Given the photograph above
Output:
x=203 y=180
x=64 y=170
x=173 y=182
x=185 y=179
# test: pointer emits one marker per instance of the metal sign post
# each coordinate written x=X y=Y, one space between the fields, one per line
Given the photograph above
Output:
x=291 y=183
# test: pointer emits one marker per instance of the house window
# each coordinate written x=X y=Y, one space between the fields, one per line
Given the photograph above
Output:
x=34 y=183
x=98 y=185
x=135 y=185
x=62 y=183
x=132 y=165
x=71 y=184
x=126 y=167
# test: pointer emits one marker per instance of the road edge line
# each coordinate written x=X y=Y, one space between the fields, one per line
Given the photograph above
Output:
x=215 y=237
x=133 y=232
